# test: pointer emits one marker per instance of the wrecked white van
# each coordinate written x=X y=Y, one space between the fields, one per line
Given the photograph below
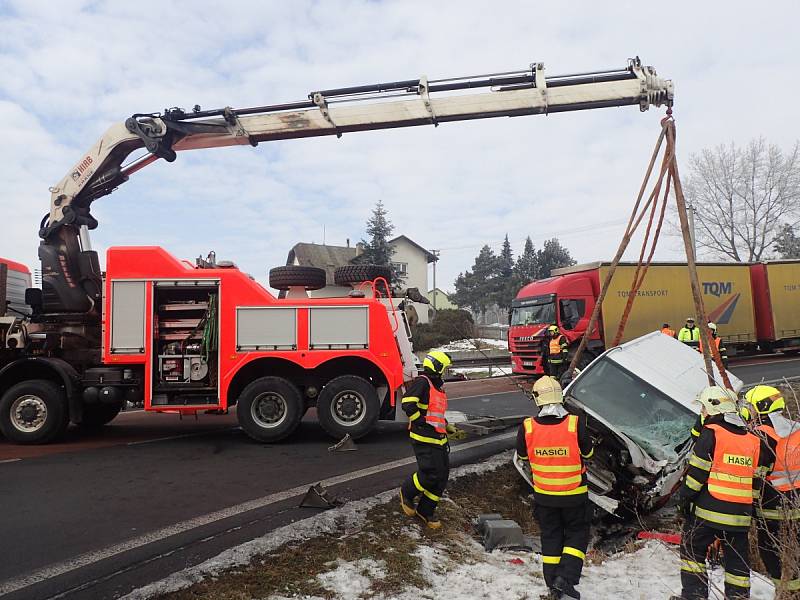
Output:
x=639 y=400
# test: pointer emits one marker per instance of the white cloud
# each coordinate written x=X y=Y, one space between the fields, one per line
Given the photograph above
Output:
x=71 y=68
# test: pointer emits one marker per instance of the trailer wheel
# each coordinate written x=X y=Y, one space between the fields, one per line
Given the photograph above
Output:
x=34 y=412
x=99 y=415
x=350 y=274
x=310 y=278
x=348 y=404
x=269 y=409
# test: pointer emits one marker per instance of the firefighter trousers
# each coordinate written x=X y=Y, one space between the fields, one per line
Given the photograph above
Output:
x=565 y=537
x=772 y=534
x=695 y=541
x=430 y=480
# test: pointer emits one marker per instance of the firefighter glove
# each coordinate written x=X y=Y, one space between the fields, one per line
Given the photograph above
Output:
x=454 y=433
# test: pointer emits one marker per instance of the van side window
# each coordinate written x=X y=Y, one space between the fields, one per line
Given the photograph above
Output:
x=571 y=311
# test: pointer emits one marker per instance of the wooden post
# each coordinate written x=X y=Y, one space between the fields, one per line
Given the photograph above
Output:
x=709 y=349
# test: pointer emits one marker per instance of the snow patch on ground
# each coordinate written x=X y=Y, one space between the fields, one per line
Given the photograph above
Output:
x=497 y=370
x=350 y=580
x=343 y=519
x=650 y=573
x=469 y=344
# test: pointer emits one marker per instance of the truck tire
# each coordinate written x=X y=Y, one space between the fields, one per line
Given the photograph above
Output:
x=98 y=415
x=34 y=412
x=310 y=278
x=350 y=274
x=348 y=404
x=269 y=409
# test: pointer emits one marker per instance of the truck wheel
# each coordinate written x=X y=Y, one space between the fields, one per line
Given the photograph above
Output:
x=269 y=409
x=283 y=278
x=357 y=273
x=97 y=416
x=34 y=412
x=348 y=404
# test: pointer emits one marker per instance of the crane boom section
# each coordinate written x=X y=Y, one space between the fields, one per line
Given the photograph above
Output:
x=345 y=110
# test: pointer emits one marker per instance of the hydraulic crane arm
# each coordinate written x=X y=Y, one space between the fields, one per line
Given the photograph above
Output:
x=338 y=111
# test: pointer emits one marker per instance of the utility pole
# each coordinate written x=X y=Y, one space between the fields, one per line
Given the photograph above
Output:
x=435 y=260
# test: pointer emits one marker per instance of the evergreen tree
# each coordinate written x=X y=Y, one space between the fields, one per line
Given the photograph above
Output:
x=476 y=288
x=504 y=286
x=376 y=249
x=526 y=267
x=552 y=256
x=787 y=244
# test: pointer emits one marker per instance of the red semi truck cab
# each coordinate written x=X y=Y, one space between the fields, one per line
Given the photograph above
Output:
x=566 y=301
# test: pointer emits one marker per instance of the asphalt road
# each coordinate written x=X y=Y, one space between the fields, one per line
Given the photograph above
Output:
x=99 y=516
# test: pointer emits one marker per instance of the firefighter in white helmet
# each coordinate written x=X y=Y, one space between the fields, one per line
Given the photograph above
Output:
x=778 y=512
x=716 y=499
x=556 y=443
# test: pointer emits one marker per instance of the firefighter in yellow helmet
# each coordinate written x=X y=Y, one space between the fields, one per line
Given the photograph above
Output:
x=716 y=498
x=556 y=350
x=779 y=511
x=425 y=403
x=555 y=443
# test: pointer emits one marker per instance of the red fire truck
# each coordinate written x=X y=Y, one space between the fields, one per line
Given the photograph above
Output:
x=186 y=337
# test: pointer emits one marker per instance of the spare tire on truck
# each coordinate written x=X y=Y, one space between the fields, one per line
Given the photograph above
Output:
x=310 y=278
x=350 y=274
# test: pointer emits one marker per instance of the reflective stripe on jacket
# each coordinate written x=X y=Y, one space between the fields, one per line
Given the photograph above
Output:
x=437 y=407
x=555 y=457
x=785 y=475
x=733 y=466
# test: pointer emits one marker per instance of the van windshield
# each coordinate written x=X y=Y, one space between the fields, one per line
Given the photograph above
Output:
x=534 y=313
x=647 y=416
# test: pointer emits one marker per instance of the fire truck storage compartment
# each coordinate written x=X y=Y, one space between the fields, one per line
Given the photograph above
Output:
x=338 y=327
x=185 y=339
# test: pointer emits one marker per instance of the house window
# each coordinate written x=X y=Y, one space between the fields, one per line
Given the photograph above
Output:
x=401 y=268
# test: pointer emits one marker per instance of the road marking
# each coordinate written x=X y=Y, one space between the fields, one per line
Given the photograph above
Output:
x=17 y=583
x=9 y=460
x=738 y=365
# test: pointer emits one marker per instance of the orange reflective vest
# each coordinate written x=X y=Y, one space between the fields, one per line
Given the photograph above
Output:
x=785 y=475
x=716 y=342
x=733 y=466
x=668 y=331
x=555 y=349
x=555 y=457
x=437 y=407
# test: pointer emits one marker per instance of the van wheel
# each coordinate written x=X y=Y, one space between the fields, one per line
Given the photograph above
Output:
x=269 y=409
x=97 y=416
x=348 y=404
x=34 y=412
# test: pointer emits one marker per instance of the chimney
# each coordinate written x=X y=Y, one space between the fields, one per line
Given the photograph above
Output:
x=348 y=242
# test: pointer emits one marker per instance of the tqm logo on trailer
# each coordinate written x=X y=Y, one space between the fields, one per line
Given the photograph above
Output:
x=722 y=314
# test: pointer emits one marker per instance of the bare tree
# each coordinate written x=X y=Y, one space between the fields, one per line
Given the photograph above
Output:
x=743 y=196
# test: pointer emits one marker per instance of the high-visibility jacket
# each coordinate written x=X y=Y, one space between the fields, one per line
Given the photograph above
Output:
x=689 y=335
x=733 y=466
x=785 y=475
x=555 y=457
x=421 y=396
x=437 y=407
x=668 y=331
x=723 y=475
x=723 y=352
x=557 y=349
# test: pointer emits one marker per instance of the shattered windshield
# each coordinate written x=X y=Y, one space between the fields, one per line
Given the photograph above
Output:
x=647 y=416
x=534 y=313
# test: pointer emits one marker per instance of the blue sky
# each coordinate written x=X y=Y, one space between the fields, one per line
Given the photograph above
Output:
x=72 y=68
